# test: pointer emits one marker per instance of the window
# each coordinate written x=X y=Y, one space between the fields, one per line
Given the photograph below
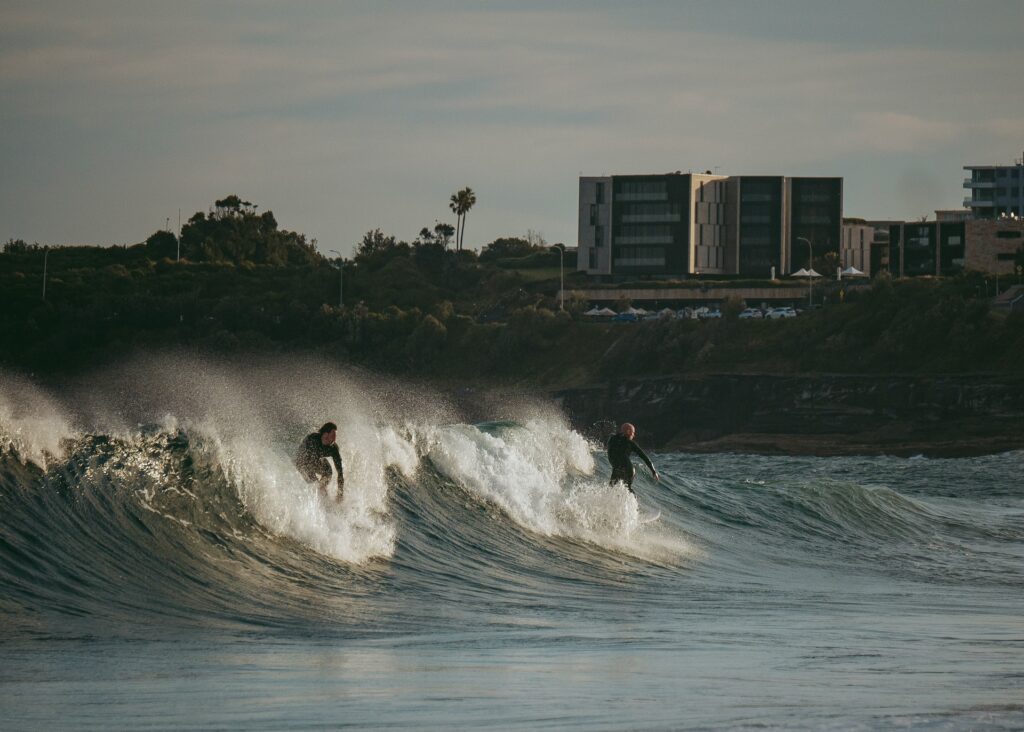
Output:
x=633 y=190
x=598 y=236
x=593 y=214
x=599 y=194
x=1008 y=234
x=651 y=212
x=593 y=259
x=640 y=257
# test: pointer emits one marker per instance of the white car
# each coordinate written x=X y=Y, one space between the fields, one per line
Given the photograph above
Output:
x=751 y=313
x=783 y=312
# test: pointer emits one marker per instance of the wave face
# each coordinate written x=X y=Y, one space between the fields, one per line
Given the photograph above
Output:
x=166 y=489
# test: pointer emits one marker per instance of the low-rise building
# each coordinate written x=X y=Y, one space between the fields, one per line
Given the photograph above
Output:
x=858 y=239
x=995 y=246
x=953 y=214
x=948 y=247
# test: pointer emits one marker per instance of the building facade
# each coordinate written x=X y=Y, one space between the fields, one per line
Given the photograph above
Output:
x=677 y=224
x=858 y=240
x=996 y=246
x=995 y=190
x=948 y=247
x=933 y=248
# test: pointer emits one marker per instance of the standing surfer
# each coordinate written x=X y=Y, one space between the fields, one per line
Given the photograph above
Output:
x=620 y=447
x=314 y=453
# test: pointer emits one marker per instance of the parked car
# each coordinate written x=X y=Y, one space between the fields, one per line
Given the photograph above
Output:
x=624 y=318
x=751 y=313
x=782 y=312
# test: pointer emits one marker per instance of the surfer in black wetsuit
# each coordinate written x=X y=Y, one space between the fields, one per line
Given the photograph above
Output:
x=620 y=448
x=313 y=454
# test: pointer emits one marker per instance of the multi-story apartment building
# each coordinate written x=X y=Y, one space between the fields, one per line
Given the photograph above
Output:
x=996 y=190
x=688 y=224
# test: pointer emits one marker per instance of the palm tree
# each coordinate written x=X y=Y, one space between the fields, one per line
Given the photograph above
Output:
x=456 y=206
x=460 y=203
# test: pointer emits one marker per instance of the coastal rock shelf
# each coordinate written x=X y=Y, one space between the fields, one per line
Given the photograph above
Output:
x=815 y=414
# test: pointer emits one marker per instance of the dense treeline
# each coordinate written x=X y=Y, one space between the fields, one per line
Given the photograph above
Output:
x=419 y=307
x=242 y=283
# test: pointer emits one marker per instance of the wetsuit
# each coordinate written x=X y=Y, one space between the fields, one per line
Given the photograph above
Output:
x=620 y=448
x=312 y=465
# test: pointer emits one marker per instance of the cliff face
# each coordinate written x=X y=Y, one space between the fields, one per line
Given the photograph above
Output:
x=824 y=414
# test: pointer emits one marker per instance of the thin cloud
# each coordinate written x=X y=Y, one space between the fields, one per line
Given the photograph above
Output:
x=367 y=115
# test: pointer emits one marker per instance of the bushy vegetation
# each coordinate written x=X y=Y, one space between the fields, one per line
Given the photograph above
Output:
x=924 y=326
x=420 y=308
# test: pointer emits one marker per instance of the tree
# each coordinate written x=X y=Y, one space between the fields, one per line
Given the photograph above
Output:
x=377 y=249
x=506 y=247
x=443 y=233
x=162 y=244
x=233 y=232
x=17 y=246
x=536 y=239
x=460 y=203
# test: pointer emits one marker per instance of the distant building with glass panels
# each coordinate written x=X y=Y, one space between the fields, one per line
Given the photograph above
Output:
x=676 y=224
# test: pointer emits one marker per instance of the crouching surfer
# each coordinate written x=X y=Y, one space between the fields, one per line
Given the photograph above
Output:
x=314 y=455
x=620 y=448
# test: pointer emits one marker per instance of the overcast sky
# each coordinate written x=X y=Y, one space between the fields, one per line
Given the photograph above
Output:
x=347 y=116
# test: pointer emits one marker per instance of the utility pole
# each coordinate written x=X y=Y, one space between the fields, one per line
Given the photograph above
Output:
x=561 y=277
x=46 y=254
x=341 y=278
x=810 y=278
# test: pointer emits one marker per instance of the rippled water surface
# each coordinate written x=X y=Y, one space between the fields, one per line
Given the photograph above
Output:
x=162 y=566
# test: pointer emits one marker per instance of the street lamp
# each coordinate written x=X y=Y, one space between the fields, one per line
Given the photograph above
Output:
x=46 y=254
x=341 y=277
x=561 y=277
x=810 y=277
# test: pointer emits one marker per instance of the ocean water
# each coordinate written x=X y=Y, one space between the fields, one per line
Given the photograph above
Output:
x=163 y=567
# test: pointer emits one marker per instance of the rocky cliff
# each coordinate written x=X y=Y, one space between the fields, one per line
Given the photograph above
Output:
x=823 y=414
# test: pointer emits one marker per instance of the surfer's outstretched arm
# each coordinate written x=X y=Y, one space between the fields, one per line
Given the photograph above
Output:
x=647 y=461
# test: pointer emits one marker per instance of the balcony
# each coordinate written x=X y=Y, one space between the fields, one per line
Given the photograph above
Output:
x=971 y=203
x=971 y=183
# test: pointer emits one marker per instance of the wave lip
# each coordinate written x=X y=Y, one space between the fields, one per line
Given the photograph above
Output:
x=542 y=476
